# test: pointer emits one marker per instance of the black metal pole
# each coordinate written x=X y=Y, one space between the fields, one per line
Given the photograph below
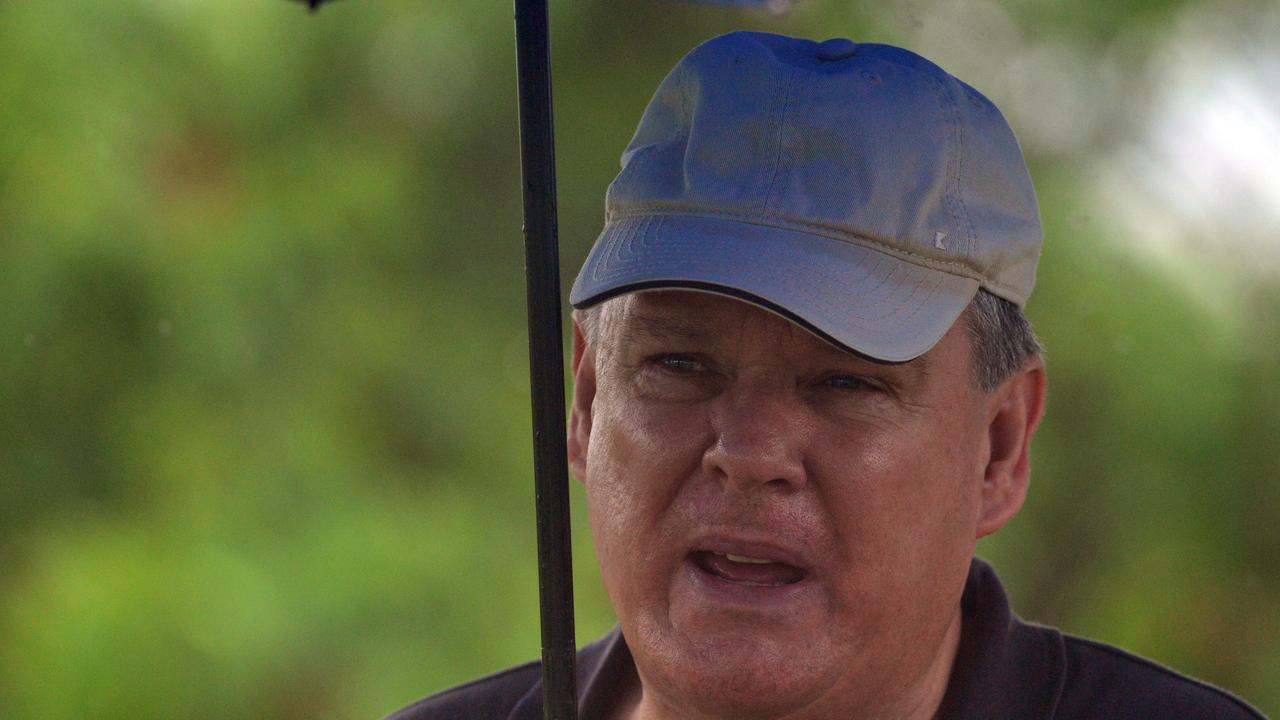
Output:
x=546 y=361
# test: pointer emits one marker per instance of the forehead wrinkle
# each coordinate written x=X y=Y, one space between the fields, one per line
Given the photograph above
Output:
x=637 y=325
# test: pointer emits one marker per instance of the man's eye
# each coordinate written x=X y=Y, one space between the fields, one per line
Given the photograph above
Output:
x=847 y=382
x=680 y=364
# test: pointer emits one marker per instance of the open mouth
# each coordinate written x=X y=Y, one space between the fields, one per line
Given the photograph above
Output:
x=746 y=570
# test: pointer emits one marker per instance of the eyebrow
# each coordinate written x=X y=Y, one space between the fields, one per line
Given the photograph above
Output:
x=639 y=326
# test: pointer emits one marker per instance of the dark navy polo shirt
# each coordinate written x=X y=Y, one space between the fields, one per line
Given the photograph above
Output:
x=1005 y=669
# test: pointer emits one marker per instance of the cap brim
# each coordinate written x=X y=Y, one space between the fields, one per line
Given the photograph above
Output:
x=853 y=295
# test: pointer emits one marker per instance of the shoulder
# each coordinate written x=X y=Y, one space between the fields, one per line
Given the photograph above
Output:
x=516 y=693
x=488 y=698
x=1105 y=681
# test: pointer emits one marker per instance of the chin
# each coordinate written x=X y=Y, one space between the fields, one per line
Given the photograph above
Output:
x=736 y=674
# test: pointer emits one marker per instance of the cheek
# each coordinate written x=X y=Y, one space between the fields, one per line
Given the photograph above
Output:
x=641 y=449
x=903 y=496
x=904 y=534
x=638 y=461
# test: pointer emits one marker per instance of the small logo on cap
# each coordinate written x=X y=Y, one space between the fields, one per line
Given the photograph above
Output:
x=938 y=237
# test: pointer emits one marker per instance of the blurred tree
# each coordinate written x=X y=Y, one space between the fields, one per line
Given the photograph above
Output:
x=264 y=440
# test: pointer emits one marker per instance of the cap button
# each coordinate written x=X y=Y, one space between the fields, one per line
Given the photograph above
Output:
x=836 y=49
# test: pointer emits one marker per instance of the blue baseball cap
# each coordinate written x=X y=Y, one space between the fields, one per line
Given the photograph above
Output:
x=855 y=188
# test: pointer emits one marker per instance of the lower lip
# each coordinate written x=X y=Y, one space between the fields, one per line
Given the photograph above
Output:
x=717 y=590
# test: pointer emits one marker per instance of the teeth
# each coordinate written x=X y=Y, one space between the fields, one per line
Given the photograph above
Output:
x=745 y=559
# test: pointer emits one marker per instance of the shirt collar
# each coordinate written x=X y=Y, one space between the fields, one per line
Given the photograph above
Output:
x=1004 y=667
x=603 y=668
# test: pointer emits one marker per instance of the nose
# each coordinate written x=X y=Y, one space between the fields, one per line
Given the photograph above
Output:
x=759 y=437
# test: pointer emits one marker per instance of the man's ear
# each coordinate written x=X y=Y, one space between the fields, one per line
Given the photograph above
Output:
x=584 y=393
x=1017 y=409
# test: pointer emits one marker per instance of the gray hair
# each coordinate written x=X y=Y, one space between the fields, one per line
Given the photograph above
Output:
x=1000 y=336
x=1001 y=339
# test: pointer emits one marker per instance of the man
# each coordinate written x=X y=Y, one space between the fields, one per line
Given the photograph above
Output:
x=803 y=389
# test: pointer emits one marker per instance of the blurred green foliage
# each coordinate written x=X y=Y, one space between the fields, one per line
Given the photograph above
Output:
x=264 y=438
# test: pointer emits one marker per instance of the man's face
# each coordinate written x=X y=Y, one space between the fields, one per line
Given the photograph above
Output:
x=780 y=524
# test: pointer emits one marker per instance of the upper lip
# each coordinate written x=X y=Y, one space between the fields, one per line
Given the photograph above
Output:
x=752 y=545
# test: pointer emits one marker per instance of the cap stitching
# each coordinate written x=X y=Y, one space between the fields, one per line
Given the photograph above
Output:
x=686 y=103
x=955 y=144
x=791 y=92
x=604 y=267
x=956 y=204
x=785 y=93
x=799 y=226
x=842 y=236
x=901 y=303
x=920 y=305
x=953 y=172
x=958 y=196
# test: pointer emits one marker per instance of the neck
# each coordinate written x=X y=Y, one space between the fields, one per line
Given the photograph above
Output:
x=932 y=685
x=918 y=700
